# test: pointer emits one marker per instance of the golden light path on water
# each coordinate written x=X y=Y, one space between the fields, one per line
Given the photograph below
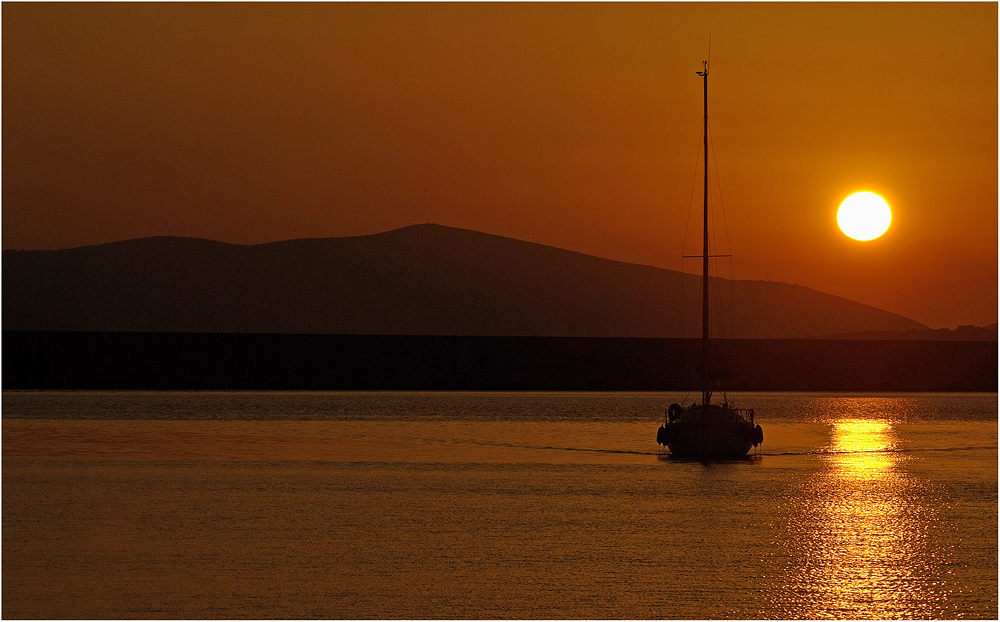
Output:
x=864 y=550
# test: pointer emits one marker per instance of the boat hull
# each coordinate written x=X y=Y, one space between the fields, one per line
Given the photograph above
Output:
x=710 y=432
x=707 y=441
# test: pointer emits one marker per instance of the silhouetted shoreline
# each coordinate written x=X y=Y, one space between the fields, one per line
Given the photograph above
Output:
x=418 y=280
x=229 y=361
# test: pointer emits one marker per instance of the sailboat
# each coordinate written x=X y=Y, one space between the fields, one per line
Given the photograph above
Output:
x=707 y=431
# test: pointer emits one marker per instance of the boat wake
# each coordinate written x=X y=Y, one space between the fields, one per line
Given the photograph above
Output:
x=664 y=455
x=470 y=441
x=919 y=450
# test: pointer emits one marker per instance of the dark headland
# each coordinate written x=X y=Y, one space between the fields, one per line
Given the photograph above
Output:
x=432 y=307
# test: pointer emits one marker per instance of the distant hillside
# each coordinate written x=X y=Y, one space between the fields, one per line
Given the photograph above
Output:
x=419 y=280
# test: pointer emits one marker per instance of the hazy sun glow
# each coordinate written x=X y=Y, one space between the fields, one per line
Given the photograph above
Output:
x=864 y=216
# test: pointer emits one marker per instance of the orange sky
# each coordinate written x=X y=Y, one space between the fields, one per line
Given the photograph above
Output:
x=575 y=125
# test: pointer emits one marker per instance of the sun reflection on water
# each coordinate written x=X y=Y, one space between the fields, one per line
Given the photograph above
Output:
x=863 y=449
x=864 y=532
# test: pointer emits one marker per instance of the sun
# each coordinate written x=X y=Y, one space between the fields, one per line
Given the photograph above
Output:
x=864 y=216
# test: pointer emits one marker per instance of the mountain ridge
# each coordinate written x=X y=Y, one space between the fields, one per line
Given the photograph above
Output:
x=421 y=279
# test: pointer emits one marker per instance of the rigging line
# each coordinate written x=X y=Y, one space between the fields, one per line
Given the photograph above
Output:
x=715 y=242
x=718 y=321
x=732 y=293
x=682 y=297
x=682 y=303
x=725 y=224
x=718 y=184
x=687 y=223
x=732 y=303
x=694 y=182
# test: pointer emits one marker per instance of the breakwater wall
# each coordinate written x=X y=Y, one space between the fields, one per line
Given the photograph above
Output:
x=229 y=361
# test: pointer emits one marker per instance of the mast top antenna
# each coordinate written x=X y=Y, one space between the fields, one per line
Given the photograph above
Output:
x=705 y=63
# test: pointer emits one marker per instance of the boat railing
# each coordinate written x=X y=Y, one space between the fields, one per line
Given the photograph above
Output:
x=746 y=414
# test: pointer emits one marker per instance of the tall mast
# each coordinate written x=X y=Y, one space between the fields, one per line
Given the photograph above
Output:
x=706 y=393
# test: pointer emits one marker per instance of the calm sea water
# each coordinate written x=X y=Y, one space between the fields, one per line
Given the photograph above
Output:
x=483 y=505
